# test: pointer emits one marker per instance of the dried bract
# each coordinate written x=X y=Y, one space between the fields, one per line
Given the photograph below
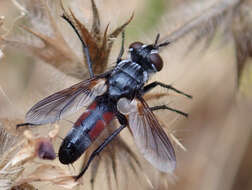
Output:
x=41 y=36
x=50 y=173
x=1 y=37
x=35 y=147
x=234 y=19
x=24 y=186
x=8 y=147
x=99 y=43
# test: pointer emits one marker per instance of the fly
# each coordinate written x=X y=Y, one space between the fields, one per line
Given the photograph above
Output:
x=115 y=94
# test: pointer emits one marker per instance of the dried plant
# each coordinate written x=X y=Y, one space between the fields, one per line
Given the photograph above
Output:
x=53 y=49
x=1 y=33
x=16 y=154
x=232 y=17
x=50 y=45
x=7 y=174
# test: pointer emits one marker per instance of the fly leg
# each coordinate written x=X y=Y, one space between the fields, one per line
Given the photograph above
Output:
x=119 y=58
x=99 y=149
x=165 y=107
x=152 y=85
x=24 y=124
x=84 y=45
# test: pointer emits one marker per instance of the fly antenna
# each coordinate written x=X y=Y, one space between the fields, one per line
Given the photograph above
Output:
x=163 y=44
x=156 y=41
x=160 y=45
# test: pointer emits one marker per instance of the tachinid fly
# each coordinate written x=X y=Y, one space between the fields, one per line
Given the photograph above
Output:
x=115 y=94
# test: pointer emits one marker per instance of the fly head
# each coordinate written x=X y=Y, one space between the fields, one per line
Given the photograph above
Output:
x=147 y=55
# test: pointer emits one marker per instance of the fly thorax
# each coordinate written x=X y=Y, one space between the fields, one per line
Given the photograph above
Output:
x=127 y=78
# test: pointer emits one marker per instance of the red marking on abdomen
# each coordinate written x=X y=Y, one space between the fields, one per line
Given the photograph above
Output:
x=100 y=125
x=85 y=114
x=92 y=106
x=81 y=118
x=107 y=117
x=96 y=130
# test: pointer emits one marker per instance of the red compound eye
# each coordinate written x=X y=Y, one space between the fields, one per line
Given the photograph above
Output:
x=157 y=61
x=136 y=45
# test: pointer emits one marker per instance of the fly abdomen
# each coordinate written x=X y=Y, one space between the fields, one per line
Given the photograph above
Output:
x=87 y=128
x=73 y=146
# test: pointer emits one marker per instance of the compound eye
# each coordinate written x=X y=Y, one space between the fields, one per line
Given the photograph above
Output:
x=136 y=45
x=157 y=61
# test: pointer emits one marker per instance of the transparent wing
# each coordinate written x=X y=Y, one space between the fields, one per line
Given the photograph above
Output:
x=66 y=102
x=149 y=136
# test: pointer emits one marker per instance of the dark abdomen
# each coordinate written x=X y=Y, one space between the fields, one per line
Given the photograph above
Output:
x=86 y=129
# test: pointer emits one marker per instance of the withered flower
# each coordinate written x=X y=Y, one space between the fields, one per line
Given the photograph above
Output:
x=36 y=147
x=16 y=153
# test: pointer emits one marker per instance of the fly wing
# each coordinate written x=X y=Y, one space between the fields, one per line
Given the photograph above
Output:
x=66 y=101
x=149 y=136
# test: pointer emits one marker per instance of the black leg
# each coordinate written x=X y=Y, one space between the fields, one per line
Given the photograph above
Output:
x=24 y=124
x=99 y=149
x=152 y=85
x=84 y=46
x=119 y=58
x=164 y=107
